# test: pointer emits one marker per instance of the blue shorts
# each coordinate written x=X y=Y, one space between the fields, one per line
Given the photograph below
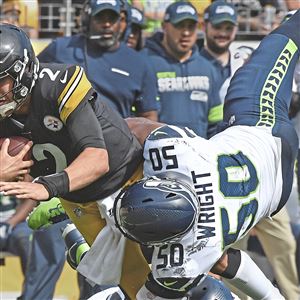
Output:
x=260 y=95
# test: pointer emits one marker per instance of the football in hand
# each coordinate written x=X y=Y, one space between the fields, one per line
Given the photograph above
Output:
x=16 y=144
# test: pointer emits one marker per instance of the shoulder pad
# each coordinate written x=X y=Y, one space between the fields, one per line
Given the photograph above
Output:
x=167 y=132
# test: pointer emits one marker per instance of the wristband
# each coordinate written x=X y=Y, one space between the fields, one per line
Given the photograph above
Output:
x=234 y=262
x=56 y=184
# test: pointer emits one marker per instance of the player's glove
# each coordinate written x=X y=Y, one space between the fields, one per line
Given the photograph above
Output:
x=46 y=214
x=5 y=231
x=76 y=245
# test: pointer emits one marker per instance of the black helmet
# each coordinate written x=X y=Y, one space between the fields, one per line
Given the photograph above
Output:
x=154 y=211
x=210 y=289
x=17 y=60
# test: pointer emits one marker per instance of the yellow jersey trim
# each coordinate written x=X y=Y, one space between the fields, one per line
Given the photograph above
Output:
x=76 y=89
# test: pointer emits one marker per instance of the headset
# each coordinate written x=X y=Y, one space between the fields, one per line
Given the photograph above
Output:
x=85 y=17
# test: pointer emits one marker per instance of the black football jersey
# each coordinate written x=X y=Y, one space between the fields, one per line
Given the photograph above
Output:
x=60 y=132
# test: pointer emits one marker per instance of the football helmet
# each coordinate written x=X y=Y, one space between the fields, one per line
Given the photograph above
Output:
x=17 y=60
x=155 y=211
x=210 y=289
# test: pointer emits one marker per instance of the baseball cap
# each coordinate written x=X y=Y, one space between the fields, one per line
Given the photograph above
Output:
x=137 y=17
x=100 y=5
x=179 y=11
x=219 y=12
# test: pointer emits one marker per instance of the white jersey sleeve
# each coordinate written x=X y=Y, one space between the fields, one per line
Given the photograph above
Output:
x=236 y=176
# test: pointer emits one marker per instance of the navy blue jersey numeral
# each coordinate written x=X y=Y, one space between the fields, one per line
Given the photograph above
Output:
x=246 y=211
x=238 y=179
x=237 y=188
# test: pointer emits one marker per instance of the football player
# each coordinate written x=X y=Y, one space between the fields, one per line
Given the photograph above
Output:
x=83 y=150
x=20 y=189
x=200 y=196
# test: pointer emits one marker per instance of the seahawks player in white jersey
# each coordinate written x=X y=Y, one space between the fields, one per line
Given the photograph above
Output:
x=199 y=196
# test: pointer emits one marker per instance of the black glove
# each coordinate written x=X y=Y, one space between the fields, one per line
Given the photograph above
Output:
x=5 y=231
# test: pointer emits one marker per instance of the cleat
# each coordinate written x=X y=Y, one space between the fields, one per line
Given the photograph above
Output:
x=46 y=214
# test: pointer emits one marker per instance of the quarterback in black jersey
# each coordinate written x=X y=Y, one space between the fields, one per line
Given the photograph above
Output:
x=76 y=136
x=83 y=150
x=65 y=120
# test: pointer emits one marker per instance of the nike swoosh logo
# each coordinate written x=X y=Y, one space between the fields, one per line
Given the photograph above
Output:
x=64 y=80
x=169 y=283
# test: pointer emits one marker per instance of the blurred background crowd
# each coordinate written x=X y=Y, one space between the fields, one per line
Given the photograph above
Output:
x=53 y=18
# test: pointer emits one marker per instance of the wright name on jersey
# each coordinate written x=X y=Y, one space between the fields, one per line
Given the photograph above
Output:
x=236 y=176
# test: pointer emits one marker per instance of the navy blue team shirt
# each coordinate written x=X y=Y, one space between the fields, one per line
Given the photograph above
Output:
x=223 y=71
x=188 y=91
x=122 y=77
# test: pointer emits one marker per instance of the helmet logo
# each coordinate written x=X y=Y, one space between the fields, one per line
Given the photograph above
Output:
x=53 y=123
x=18 y=66
x=166 y=186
